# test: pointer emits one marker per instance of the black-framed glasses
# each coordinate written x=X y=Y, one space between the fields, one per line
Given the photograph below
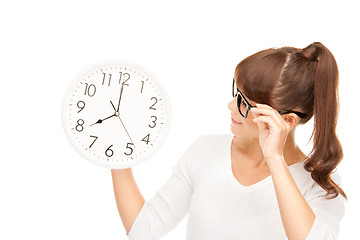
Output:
x=244 y=106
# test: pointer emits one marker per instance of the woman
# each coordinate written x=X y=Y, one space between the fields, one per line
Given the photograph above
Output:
x=255 y=183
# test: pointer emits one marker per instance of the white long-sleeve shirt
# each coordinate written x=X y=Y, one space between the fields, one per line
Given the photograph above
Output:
x=220 y=208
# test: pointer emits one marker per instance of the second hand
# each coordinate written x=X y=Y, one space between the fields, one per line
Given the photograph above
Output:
x=118 y=115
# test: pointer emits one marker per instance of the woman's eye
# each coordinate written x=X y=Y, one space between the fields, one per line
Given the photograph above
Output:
x=243 y=103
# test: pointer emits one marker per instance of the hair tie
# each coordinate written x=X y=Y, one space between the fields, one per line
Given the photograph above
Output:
x=311 y=52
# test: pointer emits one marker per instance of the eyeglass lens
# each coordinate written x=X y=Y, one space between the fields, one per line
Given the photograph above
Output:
x=241 y=105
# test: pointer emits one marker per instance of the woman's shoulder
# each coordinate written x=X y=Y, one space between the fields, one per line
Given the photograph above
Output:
x=215 y=138
x=208 y=143
x=207 y=147
x=307 y=185
x=201 y=155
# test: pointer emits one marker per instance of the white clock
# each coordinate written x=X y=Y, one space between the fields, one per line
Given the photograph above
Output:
x=116 y=114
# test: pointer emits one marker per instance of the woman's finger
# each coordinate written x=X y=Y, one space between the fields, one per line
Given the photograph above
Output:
x=257 y=112
x=268 y=120
x=267 y=110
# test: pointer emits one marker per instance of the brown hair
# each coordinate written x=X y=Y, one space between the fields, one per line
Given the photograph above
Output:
x=304 y=80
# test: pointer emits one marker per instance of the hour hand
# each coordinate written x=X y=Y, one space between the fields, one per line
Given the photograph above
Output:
x=101 y=120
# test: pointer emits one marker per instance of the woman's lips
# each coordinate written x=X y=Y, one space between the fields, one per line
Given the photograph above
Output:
x=234 y=122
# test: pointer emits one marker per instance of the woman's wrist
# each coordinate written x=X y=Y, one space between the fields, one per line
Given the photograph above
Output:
x=275 y=162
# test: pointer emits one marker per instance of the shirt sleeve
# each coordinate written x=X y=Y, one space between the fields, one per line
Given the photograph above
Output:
x=170 y=204
x=328 y=213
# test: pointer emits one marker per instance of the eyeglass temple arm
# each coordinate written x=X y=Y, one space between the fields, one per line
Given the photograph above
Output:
x=302 y=115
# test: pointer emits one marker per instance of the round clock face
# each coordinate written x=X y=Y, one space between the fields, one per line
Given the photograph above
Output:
x=116 y=114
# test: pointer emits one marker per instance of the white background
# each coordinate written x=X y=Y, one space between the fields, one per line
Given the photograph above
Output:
x=48 y=191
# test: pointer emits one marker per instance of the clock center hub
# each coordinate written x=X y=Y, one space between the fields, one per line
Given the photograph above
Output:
x=117 y=114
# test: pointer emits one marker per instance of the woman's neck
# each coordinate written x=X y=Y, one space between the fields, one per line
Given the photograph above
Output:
x=251 y=151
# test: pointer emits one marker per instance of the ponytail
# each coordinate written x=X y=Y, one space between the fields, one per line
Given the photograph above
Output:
x=327 y=151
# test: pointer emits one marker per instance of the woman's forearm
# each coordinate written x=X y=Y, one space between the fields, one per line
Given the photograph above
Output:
x=129 y=200
x=296 y=214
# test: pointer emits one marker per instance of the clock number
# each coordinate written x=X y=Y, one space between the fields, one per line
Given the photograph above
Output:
x=146 y=138
x=131 y=150
x=109 y=152
x=125 y=77
x=103 y=82
x=80 y=126
x=81 y=105
x=142 y=86
x=153 y=122
x=152 y=106
x=93 y=141
x=90 y=90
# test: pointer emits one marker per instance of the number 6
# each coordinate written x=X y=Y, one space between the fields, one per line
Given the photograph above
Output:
x=109 y=152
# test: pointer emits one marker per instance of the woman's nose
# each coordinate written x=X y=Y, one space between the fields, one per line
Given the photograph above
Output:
x=232 y=105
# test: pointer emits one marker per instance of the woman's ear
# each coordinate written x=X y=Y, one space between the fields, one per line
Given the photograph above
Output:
x=291 y=119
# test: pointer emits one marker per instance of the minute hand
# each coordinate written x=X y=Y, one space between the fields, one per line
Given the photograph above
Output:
x=121 y=91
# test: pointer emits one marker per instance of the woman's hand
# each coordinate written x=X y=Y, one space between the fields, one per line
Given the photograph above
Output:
x=296 y=214
x=273 y=130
